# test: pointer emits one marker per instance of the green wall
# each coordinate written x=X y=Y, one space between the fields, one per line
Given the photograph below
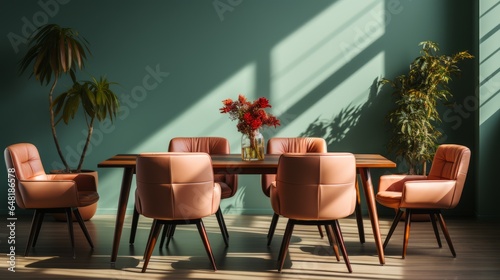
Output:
x=175 y=61
x=489 y=101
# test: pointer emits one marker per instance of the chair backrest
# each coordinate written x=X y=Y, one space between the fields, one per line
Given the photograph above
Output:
x=451 y=162
x=176 y=186
x=24 y=160
x=281 y=145
x=209 y=145
x=315 y=186
x=212 y=146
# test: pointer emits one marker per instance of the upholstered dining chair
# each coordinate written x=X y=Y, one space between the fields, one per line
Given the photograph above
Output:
x=48 y=193
x=427 y=194
x=281 y=145
x=314 y=189
x=227 y=182
x=176 y=189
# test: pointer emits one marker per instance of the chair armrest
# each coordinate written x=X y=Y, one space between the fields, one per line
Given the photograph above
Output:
x=48 y=193
x=395 y=182
x=216 y=197
x=274 y=197
x=265 y=182
x=272 y=186
x=84 y=181
x=437 y=194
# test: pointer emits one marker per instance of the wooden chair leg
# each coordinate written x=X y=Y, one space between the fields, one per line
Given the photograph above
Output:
x=133 y=227
x=393 y=227
x=206 y=243
x=155 y=231
x=333 y=233
x=434 y=226
x=222 y=226
x=79 y=218
x=446 y=233
x=320 y=231
x=164 y=234
x=332 y=240
x=407 y=231
x=329 y=234
x=340 y=240
x=272 y=228
x=69 y=221
x=285 y=243
x=170 y=234
x=33 y=229
x=150 y=236
x=38 y=227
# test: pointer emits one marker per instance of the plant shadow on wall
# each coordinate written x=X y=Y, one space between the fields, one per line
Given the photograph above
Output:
x=237 y=202
x=347 y=124
x=412 y=123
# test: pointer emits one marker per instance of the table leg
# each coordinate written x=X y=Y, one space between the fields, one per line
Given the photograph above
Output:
x=372 y=210
x=128 y=174
x=359 y=214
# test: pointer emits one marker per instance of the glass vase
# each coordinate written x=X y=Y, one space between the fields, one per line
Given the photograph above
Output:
x=252 y=146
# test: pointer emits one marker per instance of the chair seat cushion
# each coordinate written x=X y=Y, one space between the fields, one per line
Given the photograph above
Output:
x=86 y=198
x=389 y=199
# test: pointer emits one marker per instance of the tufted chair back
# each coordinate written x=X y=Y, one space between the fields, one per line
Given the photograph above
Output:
x=212 y=146
x=451 y=162
x=446 y=181
x=25 y=160
x=315 y=186
x=281 y=145
x=176 y=186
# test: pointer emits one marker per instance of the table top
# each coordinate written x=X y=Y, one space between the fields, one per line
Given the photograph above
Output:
x=232 y=163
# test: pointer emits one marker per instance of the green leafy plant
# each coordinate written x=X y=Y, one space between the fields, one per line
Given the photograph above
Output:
x=98 y=102
x=56 y=51
x=415 y=118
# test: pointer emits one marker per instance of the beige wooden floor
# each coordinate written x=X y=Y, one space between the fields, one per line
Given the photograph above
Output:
x=247 y=257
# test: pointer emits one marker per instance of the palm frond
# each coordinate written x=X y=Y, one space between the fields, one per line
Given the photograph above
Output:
x=52 y=51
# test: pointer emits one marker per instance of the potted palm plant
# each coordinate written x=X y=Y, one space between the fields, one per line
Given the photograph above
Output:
x=415 y=118
x=98 y=101
x=56 y=51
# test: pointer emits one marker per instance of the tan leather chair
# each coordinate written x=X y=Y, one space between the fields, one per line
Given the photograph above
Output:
x=175 y=189
x=413 y=194
x=227 y=182
x=213 y=146
x=281 y=145
x=48 y=193
x=314 y=189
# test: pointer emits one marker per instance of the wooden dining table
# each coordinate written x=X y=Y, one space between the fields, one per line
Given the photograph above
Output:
x=233 y=164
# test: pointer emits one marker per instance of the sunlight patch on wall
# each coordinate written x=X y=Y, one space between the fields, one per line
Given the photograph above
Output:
x=316 y=51
x=489 y=56
x=204 y=117
x=350 y=93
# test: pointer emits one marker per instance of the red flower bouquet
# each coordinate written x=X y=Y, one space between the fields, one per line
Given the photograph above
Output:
x=251 y=116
